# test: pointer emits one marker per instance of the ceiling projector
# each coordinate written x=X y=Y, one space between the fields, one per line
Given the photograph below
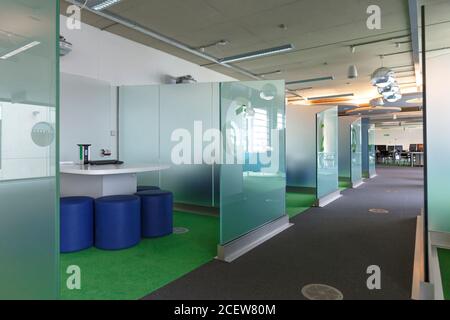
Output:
x=65 y=47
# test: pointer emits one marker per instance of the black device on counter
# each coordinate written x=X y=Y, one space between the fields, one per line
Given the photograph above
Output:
x=104 y=162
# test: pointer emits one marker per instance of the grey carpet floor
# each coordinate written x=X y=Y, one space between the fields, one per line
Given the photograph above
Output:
x=332 y=245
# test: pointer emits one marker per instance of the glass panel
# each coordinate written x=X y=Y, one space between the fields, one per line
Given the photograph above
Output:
x=28 y=149
x=372 y=151
x=139 y=129
x=301 y=150
x=356 y=154
x=344 y=162
x=438 y=114
x=253 y=176
x=365 y=126
x=327 y=152
x=186 y=115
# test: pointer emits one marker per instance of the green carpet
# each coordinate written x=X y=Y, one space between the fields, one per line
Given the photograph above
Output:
x=343 y=185
x=444 y=265
x=297 y=203
x=133 y=273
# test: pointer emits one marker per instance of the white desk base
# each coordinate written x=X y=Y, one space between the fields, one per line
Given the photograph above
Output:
x=97 y=186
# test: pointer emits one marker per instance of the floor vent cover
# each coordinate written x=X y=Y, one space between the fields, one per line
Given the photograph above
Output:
x=321 y=292
x=180 y=230
x=378 y=211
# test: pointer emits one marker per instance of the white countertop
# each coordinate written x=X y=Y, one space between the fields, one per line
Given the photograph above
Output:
x=110 y=169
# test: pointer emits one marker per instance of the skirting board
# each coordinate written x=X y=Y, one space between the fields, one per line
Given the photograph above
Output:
x=236 y=248
x=329 y=198
x=357 y=184
x=418 y=271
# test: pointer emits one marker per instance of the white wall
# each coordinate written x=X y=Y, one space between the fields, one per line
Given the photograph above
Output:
x=20 y=157
x=399 y=136
x=112 y=59
x=105 y=56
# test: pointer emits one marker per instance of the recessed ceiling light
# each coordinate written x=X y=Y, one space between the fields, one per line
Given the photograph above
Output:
x=257 y=54
x=21 y=49
x=105 y=4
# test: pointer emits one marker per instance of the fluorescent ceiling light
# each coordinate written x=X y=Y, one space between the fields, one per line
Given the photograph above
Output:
x=105 y=4
x=310 y=80
x=268 y=73
x=303 y=89
x=333 y=96
x=257 y=54
x=22 y=49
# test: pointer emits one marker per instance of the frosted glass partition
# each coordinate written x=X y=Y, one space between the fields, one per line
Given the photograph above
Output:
x=356 y=154
x=301 y=149
x=365 y=125
x=311 y=149
x=372 y=152
x=29 y=221
x=166 y=124
x=438 y=115
x=253 y=176
x=350 y=160
x=139 y=129
x=187 y=112
x=327 y=152
x=368 y=148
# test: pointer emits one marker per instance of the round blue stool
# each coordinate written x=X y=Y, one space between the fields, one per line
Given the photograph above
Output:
x=156 y=213
x=76 y=223
x=147 y=188
x=117 y=222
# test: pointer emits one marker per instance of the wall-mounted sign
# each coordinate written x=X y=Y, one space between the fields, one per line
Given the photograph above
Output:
x=43 y=134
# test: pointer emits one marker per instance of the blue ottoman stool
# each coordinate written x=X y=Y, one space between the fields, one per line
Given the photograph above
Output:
x=147 y=188
x=117 y=222
x=156 y=213
x=76 y=223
